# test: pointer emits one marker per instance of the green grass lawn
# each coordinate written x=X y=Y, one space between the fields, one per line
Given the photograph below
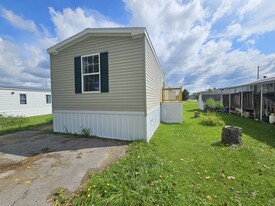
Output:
x=14 y=124
x=187 y=165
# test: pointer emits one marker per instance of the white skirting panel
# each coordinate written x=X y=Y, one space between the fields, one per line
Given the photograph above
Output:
x=28 y=112
x=108 y=124
x=152 y=122
x=171 y=112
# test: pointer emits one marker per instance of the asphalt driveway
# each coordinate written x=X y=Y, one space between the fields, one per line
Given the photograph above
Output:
x=33 y=165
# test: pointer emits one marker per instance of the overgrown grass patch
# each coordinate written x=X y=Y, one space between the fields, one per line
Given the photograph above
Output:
x=195 y=168
x=6 y=122
x=14 y=124
x=140 y=178
x=211 y=119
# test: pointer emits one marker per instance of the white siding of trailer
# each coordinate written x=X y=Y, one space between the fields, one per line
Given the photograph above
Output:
x=109 y=124
x=36 y=103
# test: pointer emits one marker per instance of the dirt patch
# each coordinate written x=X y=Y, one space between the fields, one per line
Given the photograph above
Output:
x=43 y=127
x=25 y=164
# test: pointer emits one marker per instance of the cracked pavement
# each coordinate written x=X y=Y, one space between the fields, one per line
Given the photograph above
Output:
x=33 y=165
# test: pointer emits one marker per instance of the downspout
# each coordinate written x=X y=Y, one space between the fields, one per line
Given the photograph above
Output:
x=261 y=105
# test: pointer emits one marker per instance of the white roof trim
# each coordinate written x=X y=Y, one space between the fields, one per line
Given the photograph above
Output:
x=133 y=31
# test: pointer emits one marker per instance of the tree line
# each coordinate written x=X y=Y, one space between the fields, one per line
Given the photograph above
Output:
x=195 y=95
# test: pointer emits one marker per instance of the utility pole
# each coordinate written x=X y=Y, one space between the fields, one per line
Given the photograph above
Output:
x=258 y=72
x=46 y=83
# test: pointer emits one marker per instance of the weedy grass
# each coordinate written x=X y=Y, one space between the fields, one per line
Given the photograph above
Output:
x=140 y=178
x=187 y=165
x=15 y=124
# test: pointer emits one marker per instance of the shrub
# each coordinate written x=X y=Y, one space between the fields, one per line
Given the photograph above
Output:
x=85 y=132
x=219 y=105
x=212 y=105
x=212 y=120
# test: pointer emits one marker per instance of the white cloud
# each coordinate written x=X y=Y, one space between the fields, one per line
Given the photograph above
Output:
x=252 y=18
x=250 y=6
x=195 y=40
x=28 y=64
x=168 y=23
x=224 y=8
x=18 y=21
x=16 y=67
x=189 y=52
x=70 y=22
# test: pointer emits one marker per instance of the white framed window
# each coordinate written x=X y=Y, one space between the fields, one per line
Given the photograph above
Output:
x=90 y=69
x=23 y=98
x=48 y=99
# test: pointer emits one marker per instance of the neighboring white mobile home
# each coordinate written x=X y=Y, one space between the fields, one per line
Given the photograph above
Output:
x=25 y=101
x=107 y=80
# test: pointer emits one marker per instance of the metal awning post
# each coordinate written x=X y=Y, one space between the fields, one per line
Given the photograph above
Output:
x=221 y=97
x=261 y=105
x=241 y=101
x=229 y=99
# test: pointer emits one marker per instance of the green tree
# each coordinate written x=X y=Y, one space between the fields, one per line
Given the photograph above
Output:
x=185 y=95
x=195 y=95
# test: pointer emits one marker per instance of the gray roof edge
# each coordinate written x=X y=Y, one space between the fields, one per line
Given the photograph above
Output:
x=23 y=88
x=257 y=82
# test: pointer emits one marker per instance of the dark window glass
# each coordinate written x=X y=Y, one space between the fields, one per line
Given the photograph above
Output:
x=96 y=68
x=48 y=99
x=91 y=83
x=23 y=99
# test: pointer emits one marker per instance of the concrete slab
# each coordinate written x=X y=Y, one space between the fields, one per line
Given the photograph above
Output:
x=34 y=165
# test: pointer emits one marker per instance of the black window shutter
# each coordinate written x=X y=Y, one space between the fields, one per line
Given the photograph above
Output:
x=104 y=72
x=77 y=74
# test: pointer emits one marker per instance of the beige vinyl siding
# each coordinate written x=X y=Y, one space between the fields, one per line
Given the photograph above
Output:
x=126 y=75
x=154 y=79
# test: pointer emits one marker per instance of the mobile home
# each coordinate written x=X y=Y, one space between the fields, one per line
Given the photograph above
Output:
x=107 y=80
x=25 y=101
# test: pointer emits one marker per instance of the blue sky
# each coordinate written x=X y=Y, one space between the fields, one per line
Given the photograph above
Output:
x=200 y=44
